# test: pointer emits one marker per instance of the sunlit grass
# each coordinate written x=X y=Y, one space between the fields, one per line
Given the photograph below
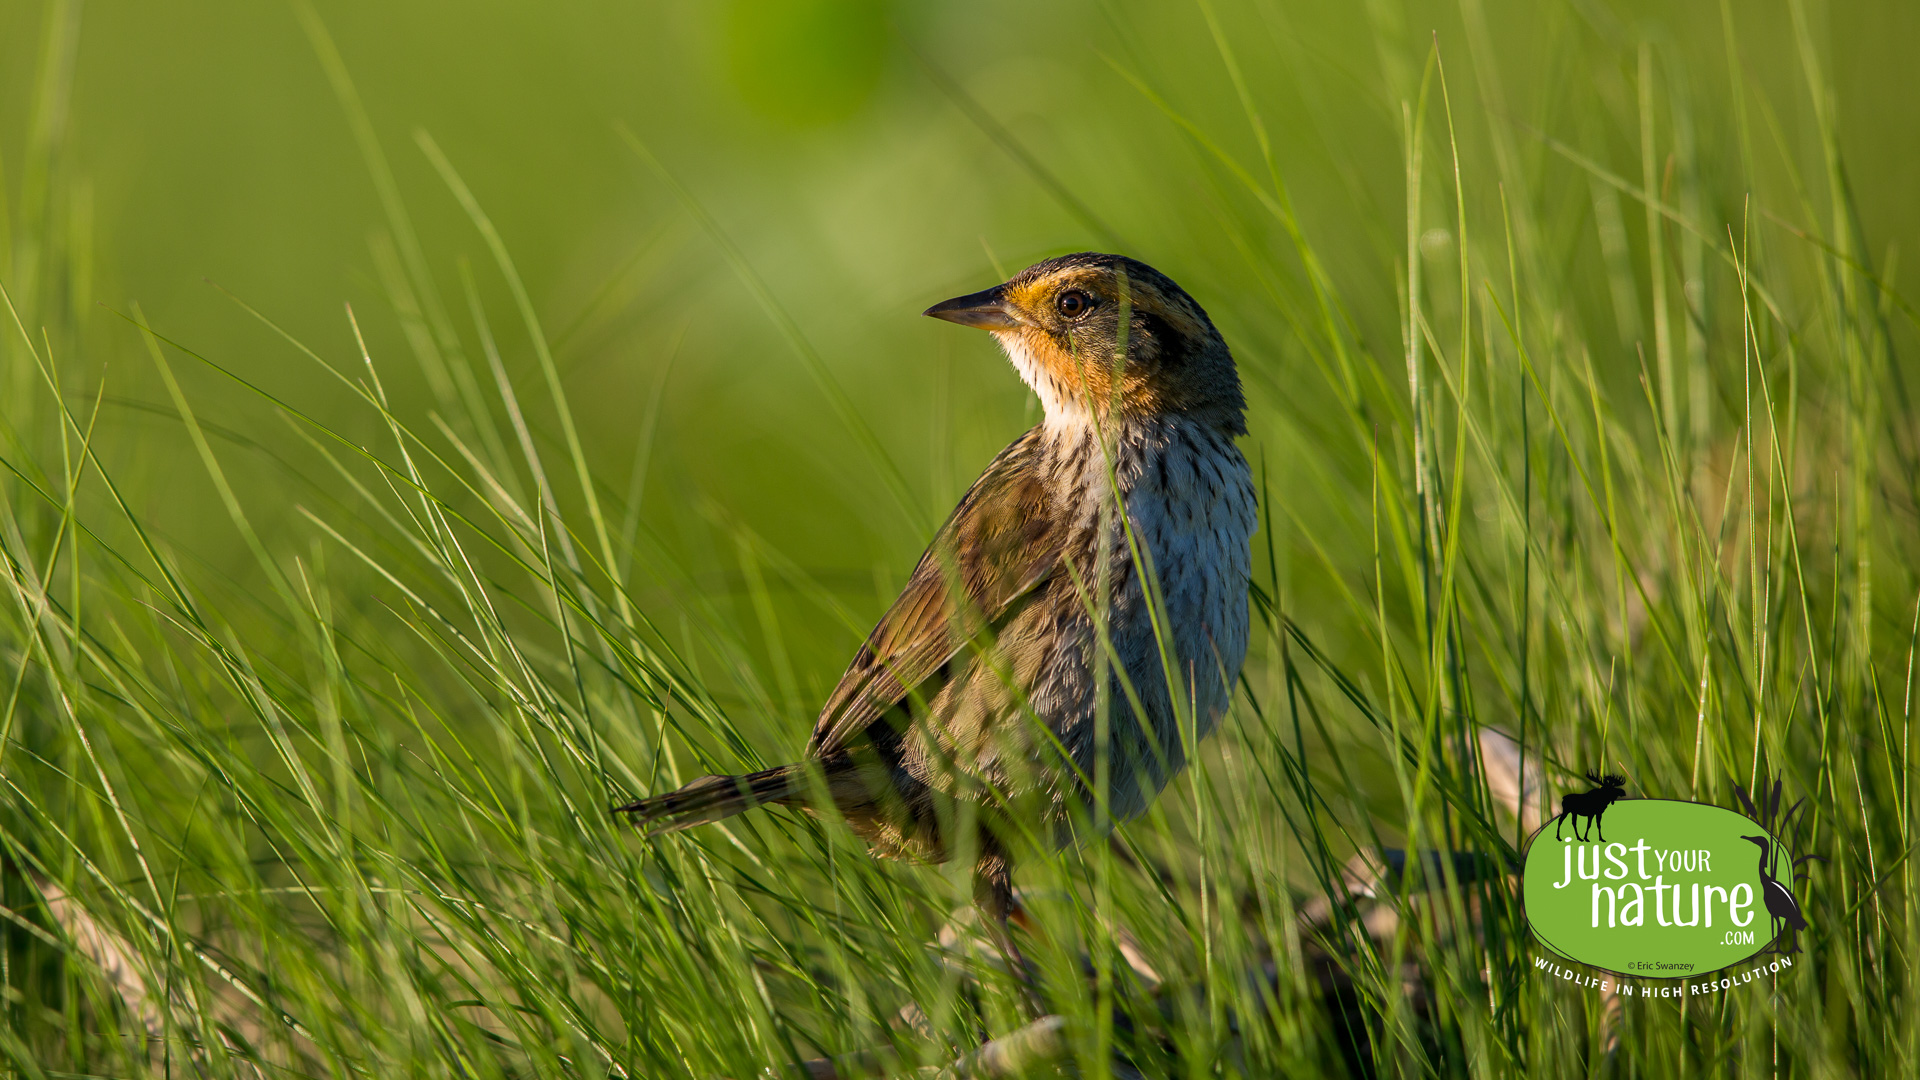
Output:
x=1630 y=479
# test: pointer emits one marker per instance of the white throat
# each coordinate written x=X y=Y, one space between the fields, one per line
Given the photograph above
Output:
x=1066 y=410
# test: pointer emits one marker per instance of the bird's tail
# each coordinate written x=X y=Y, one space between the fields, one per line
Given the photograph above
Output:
x=712 y=798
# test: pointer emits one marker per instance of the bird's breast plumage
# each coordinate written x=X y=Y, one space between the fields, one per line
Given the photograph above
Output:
x=1189 y=514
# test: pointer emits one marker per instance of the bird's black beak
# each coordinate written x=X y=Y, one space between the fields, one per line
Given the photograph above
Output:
x=987 y=310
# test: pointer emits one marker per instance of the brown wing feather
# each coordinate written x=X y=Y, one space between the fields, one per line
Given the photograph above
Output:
x=1001 y=541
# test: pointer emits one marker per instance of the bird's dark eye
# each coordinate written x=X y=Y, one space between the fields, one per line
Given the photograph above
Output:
x=1073 y=303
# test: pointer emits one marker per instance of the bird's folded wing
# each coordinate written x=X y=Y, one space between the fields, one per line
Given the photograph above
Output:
x=1002 y=540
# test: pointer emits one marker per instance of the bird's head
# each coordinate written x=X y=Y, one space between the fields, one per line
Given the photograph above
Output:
x=1108 y=336
x=1760 y=840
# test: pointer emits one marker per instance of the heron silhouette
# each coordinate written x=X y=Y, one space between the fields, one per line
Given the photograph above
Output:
x=1765 y=812
x=1779 y=898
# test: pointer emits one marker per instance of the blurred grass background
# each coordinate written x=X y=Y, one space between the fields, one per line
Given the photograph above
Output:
x=1632 y=476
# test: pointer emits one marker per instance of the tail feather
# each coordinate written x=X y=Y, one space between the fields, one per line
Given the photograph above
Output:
x=712 y=798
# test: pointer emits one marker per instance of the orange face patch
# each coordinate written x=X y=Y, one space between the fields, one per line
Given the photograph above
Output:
x=1036 y=298
x=1079 y=356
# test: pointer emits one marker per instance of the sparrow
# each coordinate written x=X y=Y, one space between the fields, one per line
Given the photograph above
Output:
x=1109 y=544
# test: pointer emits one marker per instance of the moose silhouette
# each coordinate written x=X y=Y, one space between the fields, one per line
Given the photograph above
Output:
x=1589 y=805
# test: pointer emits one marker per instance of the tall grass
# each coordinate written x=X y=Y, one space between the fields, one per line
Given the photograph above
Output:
x=1630 y=476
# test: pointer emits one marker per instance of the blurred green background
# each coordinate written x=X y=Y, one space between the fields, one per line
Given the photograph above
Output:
x=202 y=142
x=1644 y=492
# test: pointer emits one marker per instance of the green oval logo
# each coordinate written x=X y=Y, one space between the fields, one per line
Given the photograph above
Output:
x=1657 y=888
